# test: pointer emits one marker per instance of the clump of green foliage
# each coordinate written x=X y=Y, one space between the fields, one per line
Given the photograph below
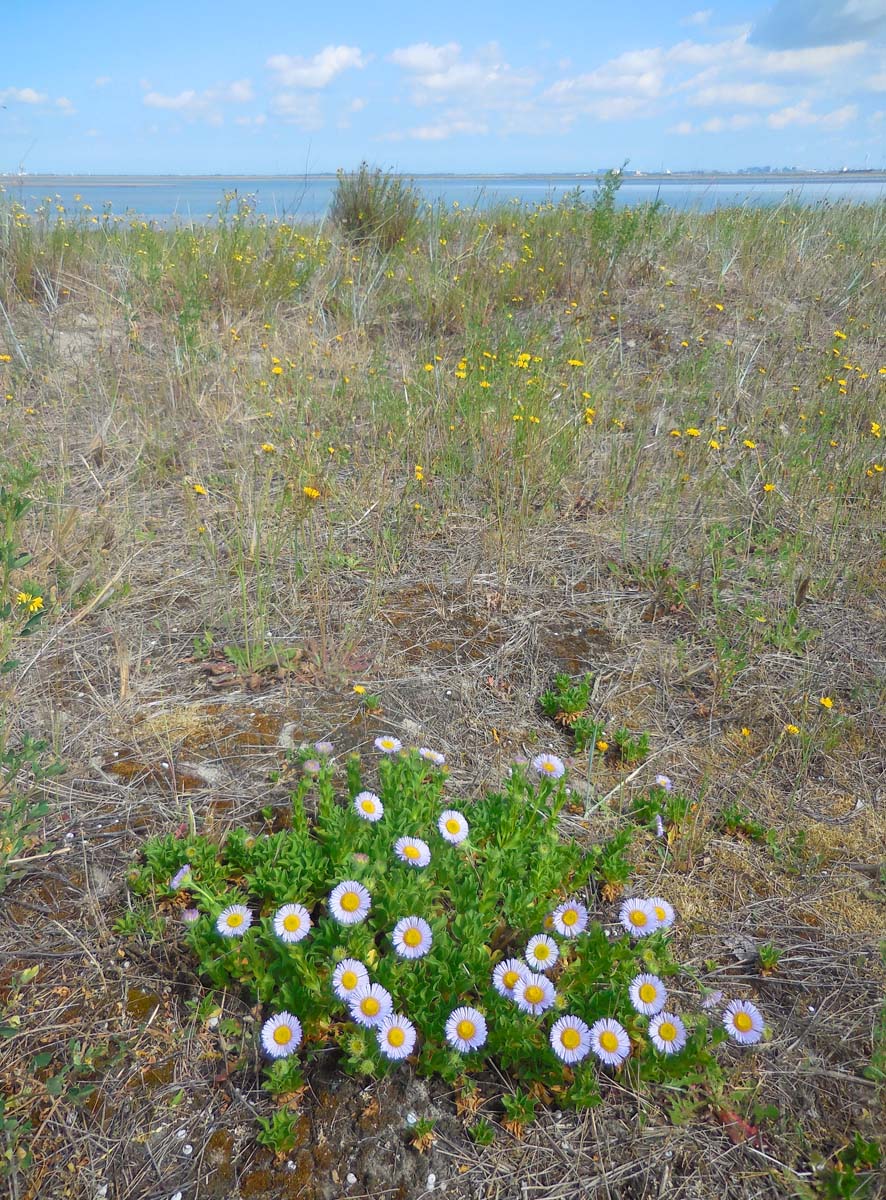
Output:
x=371 y=205
x=566 y=703
x=483 y=898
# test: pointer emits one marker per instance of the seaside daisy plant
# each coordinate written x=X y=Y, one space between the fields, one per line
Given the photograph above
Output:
x=417 y=929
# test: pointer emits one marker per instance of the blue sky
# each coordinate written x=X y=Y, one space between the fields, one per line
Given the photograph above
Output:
x=194 y=86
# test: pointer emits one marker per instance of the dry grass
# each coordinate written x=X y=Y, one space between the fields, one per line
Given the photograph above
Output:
x=142 y=364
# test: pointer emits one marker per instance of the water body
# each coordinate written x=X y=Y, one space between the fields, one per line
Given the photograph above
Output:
x=168 y=199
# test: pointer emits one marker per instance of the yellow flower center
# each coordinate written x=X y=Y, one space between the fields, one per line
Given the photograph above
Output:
x=509 y=979
x=638 y=917
x=387 y=743
x=609 y=1041
x=570 y=1038
x=570 y=917
x=742 y=1022
x=412 y=852
x=234 y=920
x=667 y=1031
x=648 y=992
x=369 y=1006
x=292 y=923
x=453 y=826
x=348 y=981
x=542 y=952
x=368 y=806
x=466 y=1030
x=412 y=937
x=282 y=1035
x=396 y=1036
x=350 y=902
x=660 y=912
x=534 y=994
x=548 y=766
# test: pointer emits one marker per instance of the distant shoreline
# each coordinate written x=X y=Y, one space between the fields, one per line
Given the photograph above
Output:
x=675 y=177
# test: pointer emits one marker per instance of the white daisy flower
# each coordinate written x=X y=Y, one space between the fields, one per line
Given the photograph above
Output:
x=466 y=1029
x=396 y=1036
x=570 y=919
x=570 y=1039
x=610 y=1042
x=534 y=993
x=234 y=920
x=668 y=1033
x=507 y=975
x=542 y=952
x=743 y=1022
x=638 y=917
x=368 y=807
x=663 y=910
x=432 y=756
x=412 y=937
x=347 y=977
x=370 y=1004
x=413 y=851
x=292 y=922
x=664 y=781
x=453 y=827
x=712 y=1000
x=648 y=994
x=387 y=744
x=349 y=902
x=281 y=1035
x=659 y=826
x=548 y=766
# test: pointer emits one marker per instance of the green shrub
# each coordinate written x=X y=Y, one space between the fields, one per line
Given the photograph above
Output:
x=372 y=205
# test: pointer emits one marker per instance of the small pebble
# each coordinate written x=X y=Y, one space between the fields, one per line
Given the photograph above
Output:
x=187 y=1149
x=350 y=1178
x=432 y=1181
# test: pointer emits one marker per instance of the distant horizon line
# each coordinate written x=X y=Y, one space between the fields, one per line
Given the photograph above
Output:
x=743 y=173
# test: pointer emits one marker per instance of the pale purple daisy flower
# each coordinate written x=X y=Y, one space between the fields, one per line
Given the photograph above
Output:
x=412 y=937
x=324 y=748
x=348 y=975
x=234 y=920
x=432 y=756
x=712 y=1000
x=387 y=744
x=311 y=766
x=548 y=766
x=667 y=1033
x=368 y=806
x=349 y=902
x=743 y=1022
x=281 y=1035
x=412 y=851
x=507 y=975
x=534 y=994
x=542 y=952
x=370 y=1004
x=648 y=994
x=181 y=875
x=638 y=917
x=292 y=922
x=664 y=781
x=190 y=915
x=659 y=826
x=453 y=827
x=570 y=918
x=610 y=1042
x=664 y=910
x=466 y=1029
x=570 y=1039
x=396 y=1036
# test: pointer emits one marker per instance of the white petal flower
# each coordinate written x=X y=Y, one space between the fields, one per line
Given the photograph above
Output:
x=648 y=994
x=453 y=827
x=368 y=807
x=743 y=1022
x=507 y=975
x=610 y=1041
x=413 y=851
x=234 y=920
x=432 y=756
x=349 y=902
x=347 y=977
x=664 y=781
x=388 y=745
x=370 y=1004
x=466 y=1029
x=570 y=1039
x=281 y=1035
x=534 y=993
x=668 y=1033
x=548 y=766
x=570 y=919
x=292 y=922
x=638 y=917
x=396 y=1036
x=412 y=937
x=542 y=952
x=664 y=910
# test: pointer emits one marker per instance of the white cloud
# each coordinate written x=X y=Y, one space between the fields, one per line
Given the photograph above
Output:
x=728 y=124
x=183 y=100
x=24 y=96
x=877 y=83
x=101 y=81
x=698 y=18
x=801 y=114
x=357 y=104
x=758 y=95
x=641 y=73
x=254 y=122
x=812 y=60
x=424 y=59
x=66 y=107
x=682 y=127
x=238 y=92
x=441 y=130
x=803 y=23
x=294 y=108
x=316 y=72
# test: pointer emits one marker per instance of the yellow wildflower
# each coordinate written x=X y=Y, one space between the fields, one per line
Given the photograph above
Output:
x=268 y=447
x=200 y=489
x=575 y=362
x=768 y=487
x=825 y=702
x=875 y=429
x=750 y=445
x=311 y=493
x=793 y=729
x=602 y=746
x=693 y=432
x=359 y=689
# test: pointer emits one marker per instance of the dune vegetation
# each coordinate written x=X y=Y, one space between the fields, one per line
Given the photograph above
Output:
x=598 y=483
